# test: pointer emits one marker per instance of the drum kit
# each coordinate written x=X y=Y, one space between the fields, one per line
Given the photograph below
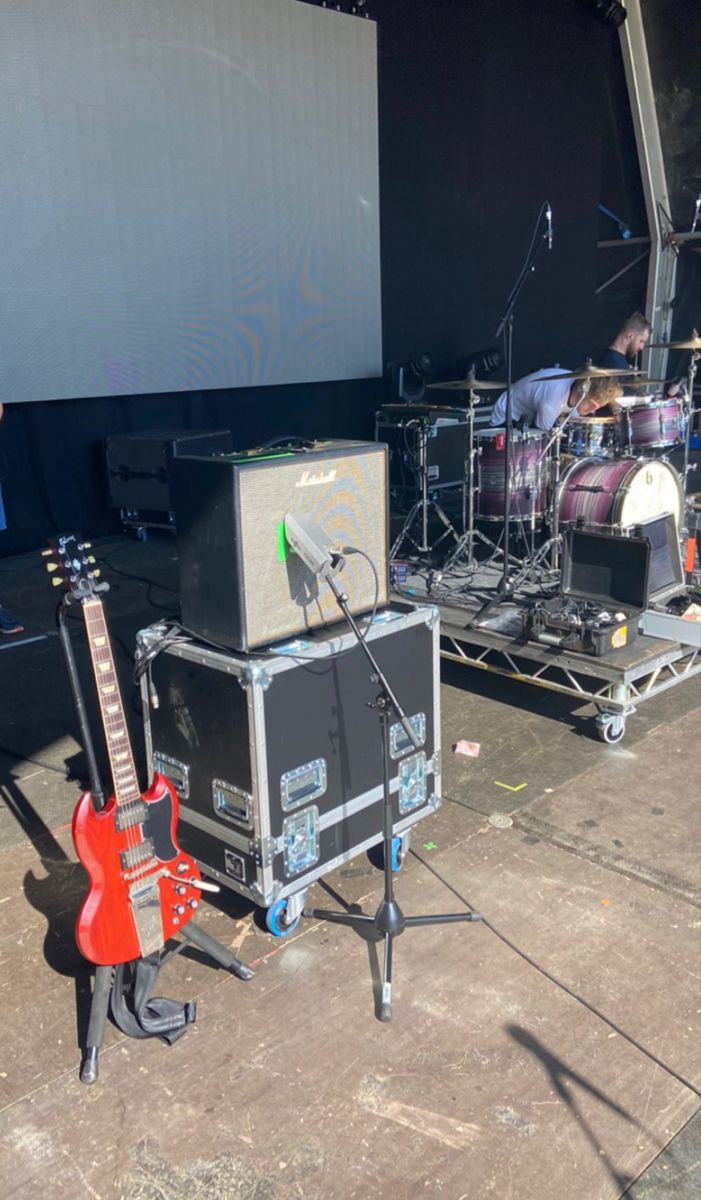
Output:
x=608 y=473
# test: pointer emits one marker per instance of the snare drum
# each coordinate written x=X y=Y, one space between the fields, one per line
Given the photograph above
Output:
x=588 y=437
x=620 y=493
x=655 y=425
x=528 y=475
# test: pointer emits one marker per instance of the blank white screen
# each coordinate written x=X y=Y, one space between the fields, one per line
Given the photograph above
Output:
x=189 y=196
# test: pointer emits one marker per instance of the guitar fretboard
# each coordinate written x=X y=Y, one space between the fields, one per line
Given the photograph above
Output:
x=126 y=786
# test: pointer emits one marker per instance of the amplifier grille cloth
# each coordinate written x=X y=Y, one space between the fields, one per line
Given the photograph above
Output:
x=350 y=506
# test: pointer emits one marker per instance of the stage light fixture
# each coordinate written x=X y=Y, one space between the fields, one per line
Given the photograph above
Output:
x=609 y=12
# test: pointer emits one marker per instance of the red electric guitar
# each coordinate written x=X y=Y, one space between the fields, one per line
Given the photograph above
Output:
x=143 y=889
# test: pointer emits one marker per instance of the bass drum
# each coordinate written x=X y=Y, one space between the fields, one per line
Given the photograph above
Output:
x=619 y=494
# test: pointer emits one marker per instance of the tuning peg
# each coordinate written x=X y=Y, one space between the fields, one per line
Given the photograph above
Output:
x=96 y=574
x=56 y=582
x=52 y=566
x=91 y=559
x=46 y=553
x=85 y=546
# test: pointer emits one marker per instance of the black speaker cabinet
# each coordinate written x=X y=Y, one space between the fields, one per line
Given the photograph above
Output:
x=240 y=583
x=139 y=465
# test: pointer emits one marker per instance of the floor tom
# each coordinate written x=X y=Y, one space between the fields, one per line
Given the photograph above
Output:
x=527 y=471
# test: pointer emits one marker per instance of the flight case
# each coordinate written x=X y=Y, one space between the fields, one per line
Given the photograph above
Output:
x=276 y=756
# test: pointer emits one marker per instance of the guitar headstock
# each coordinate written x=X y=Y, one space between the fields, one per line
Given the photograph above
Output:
x=74 y=567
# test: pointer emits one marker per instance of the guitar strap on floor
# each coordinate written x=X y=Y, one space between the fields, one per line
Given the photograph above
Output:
x=146 y=1015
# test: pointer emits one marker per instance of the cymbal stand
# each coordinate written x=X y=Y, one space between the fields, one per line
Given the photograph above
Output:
x=553 y=544
x=422 y=506
x=470 y=534
x=691 y=375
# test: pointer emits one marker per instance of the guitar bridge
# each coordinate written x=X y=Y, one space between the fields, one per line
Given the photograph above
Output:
x=134 y=856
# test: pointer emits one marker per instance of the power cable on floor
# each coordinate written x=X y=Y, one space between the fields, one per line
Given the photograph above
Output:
x=558 y=982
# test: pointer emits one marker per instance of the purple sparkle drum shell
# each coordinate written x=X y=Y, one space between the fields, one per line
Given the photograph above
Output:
x=655 y=425
x=619 y=494
x=528 y=474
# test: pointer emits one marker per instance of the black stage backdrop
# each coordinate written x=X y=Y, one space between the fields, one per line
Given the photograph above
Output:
x=486 y=110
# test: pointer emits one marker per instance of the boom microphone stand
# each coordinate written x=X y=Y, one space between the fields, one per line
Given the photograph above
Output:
x=313 y=547
x=505 y=587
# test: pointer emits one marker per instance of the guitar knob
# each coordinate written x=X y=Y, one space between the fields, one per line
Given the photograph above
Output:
x=180 y=889
x=193 y=904
x=181 y=868
x=179 y=909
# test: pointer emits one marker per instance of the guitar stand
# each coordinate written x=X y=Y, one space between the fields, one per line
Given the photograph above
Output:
x=389 y=920
x=108 y=979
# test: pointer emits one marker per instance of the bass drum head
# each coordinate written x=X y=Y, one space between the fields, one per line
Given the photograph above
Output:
x=651 y=489
x=619 y=493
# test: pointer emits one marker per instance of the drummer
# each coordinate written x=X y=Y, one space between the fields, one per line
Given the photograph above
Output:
x=538 y=399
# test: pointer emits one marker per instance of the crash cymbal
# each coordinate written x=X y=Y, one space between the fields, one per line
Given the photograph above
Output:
x=469 y=385
x=693 y=343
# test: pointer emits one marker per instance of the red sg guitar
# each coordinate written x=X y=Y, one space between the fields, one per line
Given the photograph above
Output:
x=143 y=889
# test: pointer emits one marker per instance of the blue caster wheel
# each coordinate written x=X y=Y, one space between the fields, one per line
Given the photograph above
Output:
x=276 y=922
x=397 y=857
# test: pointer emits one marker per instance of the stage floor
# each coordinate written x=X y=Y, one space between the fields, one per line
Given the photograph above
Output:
x=551 y=1052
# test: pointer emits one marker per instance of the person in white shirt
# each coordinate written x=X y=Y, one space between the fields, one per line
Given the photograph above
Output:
x=538 y=399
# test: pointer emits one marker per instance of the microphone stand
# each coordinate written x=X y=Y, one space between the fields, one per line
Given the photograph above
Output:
x=389 y=920
x=505 y=587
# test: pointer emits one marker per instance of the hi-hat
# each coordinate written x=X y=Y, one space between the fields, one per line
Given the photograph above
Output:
x=469 y=385
x=693 y=343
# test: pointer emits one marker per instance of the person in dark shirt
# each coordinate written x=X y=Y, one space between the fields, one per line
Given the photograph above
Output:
x=8 y=623
x=629 y=342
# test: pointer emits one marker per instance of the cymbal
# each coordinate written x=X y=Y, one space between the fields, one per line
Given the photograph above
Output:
x=599 y=373
x=693 y=343
x=469 y=385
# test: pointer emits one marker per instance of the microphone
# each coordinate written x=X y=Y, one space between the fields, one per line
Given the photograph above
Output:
x=313 y=545
x=549 y=219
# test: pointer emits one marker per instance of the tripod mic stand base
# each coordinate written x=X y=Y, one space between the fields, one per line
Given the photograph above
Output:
x=388 y=922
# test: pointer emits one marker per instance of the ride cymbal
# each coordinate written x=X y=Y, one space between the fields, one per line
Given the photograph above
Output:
x=693 y=343
x=469 y=385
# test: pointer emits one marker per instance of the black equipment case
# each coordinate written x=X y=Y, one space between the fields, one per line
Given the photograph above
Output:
x=277 y=757
x=603 y=591
x=398 y=427
x=140 y=467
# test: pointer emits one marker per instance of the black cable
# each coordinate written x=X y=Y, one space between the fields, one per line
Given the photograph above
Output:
x=558 y=982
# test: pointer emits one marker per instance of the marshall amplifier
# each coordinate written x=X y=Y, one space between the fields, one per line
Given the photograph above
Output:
x=241 y=585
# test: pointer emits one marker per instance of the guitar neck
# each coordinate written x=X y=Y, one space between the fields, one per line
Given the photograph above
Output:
x=126 y=786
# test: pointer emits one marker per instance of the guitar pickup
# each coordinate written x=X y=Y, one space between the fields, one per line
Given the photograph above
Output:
x=133 y=813
x=135 y=855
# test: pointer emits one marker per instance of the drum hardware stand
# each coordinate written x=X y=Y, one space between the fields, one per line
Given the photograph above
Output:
x=422 y=505
x=470 y=534
x=505 y=587
x=691 y=375
x=108 y=978
x=313 y=547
